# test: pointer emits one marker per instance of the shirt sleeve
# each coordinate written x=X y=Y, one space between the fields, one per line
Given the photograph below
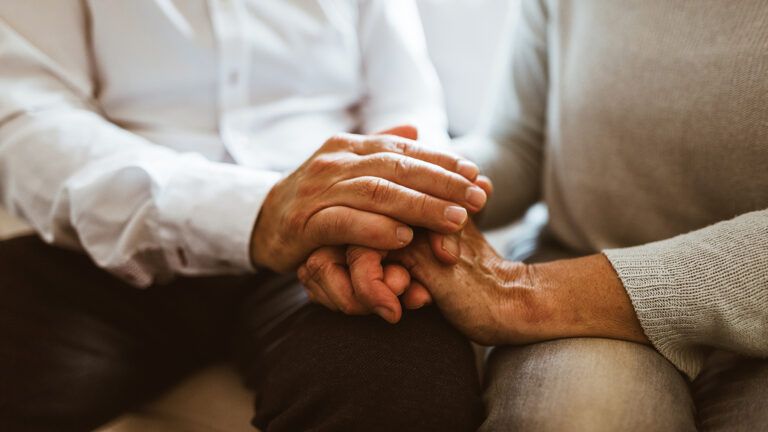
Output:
x=700 y=291
x=141 y=211
x=509 y=142
x=402 y=86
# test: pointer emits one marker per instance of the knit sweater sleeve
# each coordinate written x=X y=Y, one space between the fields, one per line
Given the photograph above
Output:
x=704 y=290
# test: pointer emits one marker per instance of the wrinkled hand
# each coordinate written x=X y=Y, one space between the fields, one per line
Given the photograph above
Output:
x=361 y=287
x=491 y=300
x=497 y=302
x=356 y=282
x=367 y=191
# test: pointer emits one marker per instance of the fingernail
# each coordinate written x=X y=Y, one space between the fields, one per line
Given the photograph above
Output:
x=467 y=169
x=476 y=196
x=404 y=235
x=384 y=313
x=451 y=245
x=456 y=214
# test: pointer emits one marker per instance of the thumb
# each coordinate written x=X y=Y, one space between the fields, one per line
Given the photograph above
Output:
x=403 y=131
x=446 y=248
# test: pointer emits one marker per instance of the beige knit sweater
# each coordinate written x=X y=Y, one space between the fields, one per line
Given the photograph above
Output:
x=637 y=122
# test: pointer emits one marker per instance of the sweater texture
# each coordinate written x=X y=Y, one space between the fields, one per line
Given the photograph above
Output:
x=643 y=125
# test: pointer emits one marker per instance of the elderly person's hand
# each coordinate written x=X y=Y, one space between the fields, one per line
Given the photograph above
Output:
x=354 y=280
x=495 y=301
x=367 y=191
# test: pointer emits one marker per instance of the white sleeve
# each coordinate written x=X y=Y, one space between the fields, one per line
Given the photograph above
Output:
x=139 y=210
x=402 y=85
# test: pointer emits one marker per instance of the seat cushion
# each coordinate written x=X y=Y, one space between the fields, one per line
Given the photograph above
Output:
x=11 y=226
x=211 y=400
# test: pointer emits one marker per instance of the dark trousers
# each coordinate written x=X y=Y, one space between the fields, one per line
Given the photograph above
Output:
x=79 y=347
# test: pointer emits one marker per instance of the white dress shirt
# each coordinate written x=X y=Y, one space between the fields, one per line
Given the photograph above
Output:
x=148 y=132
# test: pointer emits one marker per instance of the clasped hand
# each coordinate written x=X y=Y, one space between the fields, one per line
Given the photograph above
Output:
x=366 y=192
x=355 y=267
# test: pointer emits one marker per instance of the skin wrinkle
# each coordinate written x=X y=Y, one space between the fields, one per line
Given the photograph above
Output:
x=307 y=217
x=416 y=294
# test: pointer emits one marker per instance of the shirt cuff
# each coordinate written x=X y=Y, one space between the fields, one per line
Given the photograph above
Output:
x=206 y=214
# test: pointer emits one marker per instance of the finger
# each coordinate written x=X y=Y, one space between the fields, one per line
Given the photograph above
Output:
x=368 y=283
x=485 y=184
x=326 y=269
x=365 y=145
x=418 y=258
x=340 y=225
x=446 y=248
x=397 y=278
x=377 y=195
x=416 y=296
x=403 y=131
x=314 y=291
x=420 y=176
x=320 y=297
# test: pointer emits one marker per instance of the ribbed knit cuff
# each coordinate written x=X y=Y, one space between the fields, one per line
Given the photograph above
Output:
x=663 y=306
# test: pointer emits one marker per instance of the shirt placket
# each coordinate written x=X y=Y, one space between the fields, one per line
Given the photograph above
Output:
x=228 y=17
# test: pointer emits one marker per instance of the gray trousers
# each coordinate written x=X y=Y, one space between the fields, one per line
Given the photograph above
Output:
x=591 y=384
x=594 y=385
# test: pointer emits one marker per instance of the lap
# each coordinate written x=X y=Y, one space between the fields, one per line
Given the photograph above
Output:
x=78 y=347
x=732 y=393
x=585 y=384
x=361 y=373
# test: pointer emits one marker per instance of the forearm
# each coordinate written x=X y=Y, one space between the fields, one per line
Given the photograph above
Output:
x=583 y=297
x=85 y=183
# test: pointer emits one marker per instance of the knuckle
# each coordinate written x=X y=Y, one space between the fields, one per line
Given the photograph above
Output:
x=380 y=190
x=401 y=167
x=363 y=187
x=453 y=160
x=373 y=188
x=314 y=265
x=422 y=204
x=336 y=140
x=400 y=146
x=338 y=137
x=450 y=186
x=322 y=163
x=354 y=255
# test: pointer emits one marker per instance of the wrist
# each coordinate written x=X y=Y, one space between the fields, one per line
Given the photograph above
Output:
x=585 y=298
x=263 y=248
x=258 y=247
x=521 y=308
